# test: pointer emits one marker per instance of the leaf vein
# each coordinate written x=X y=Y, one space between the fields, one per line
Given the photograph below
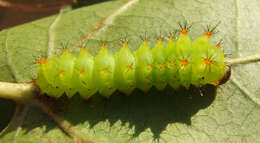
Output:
x=245 y=91
x=9 y=61
x=51 y=34
x=109 y=20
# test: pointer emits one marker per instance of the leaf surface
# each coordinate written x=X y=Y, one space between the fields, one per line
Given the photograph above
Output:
x=230 y=113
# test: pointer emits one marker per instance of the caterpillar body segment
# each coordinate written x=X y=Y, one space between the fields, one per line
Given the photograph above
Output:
x=200 y=49
x=144 y=65
x=48 y=77
x=208 y=64
x=104 y=69
x=172 y=68
x=125 y=70
x=184 y=53
x=84 y=66
x=159 y=77
x=66 y=75
x=182 y=63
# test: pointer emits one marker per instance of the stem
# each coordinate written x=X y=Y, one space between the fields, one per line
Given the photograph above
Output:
x=18 y=91
x=25 y=91
x=244 y=60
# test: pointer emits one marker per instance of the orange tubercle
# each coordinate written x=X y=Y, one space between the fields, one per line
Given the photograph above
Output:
x=81 y=71
x=150 y=66
x=124 y=44
x=145 y=42
x=105 y=70
x=103 y=46
x=37 y=62
x=129 y=68
x=43 y=60
x=83 y=48
x=207 y=62
x=216 y=83
x=162 y=65
x=184 y=31
x=208 y=34
x=61 y=71
x=184 y=62
x=218 y=45
x=65 y=50
x=171 y=39
x=160 y=41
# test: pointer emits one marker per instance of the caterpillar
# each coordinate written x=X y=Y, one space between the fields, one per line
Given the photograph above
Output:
x=181 y=63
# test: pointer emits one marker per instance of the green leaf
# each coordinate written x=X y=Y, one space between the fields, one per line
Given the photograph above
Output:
x=229 y=113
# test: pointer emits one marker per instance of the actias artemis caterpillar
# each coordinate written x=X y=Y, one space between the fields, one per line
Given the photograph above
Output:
x=182 y=63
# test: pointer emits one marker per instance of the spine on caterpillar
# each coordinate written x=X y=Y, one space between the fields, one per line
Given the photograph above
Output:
x=182 y=63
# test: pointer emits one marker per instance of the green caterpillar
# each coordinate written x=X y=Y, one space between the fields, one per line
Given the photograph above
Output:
x=182 y=63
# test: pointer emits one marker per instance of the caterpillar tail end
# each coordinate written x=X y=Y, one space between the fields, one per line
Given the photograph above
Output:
x=226 y=77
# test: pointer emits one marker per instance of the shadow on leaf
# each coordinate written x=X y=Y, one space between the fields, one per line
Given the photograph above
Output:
x=154 y=110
